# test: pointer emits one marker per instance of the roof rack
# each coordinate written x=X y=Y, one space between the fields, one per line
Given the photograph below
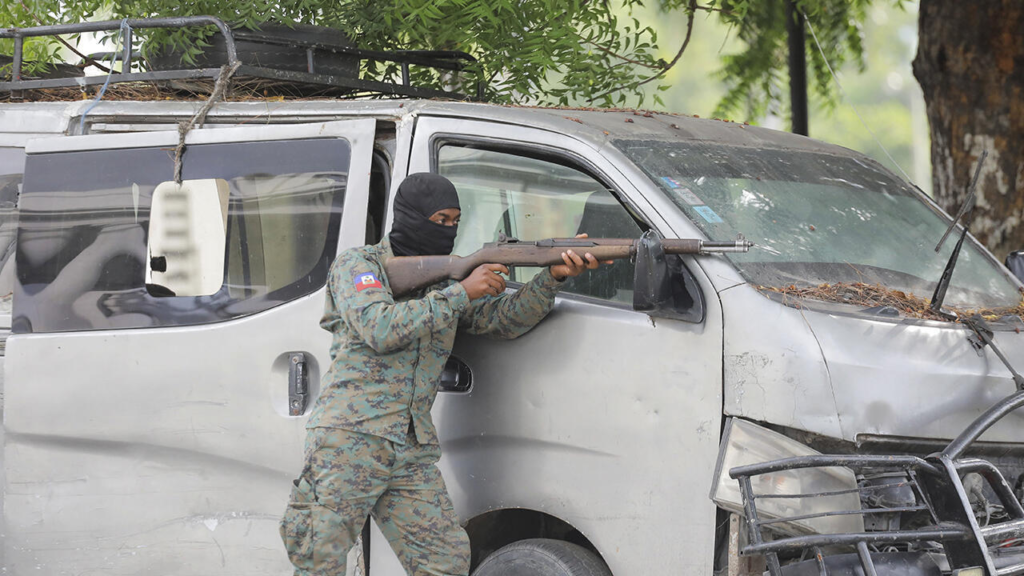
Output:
x=452 y=60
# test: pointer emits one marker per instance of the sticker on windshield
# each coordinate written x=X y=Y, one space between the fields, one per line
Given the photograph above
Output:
x=689 y=197
x=672 y=182
x=708 y=214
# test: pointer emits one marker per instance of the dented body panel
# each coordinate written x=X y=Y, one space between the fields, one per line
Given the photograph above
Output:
x=844 y=375
x=914 y=379
x=773 y=369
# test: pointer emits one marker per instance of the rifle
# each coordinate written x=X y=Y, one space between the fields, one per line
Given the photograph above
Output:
x=410 y=273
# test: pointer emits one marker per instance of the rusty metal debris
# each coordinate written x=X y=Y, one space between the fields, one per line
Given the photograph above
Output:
x=876 y=295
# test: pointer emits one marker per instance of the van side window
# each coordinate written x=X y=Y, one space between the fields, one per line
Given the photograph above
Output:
x=12 y=164
x=532 y=199
x=380 y=183
x=279 y=228
x=83 y=246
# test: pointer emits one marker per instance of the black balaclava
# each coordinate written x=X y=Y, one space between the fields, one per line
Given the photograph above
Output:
x=419 y=197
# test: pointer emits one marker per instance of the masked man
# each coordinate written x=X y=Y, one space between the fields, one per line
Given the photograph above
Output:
x=371 y=445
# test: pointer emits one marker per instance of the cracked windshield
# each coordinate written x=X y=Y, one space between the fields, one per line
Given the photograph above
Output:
x=819 y=221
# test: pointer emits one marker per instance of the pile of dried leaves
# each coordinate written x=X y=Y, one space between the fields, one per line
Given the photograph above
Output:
x=242 y=90
x=115 y=92
x=875 y=295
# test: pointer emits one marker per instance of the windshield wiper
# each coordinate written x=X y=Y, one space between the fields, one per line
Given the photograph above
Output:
x=966 y=213
x=983 y=336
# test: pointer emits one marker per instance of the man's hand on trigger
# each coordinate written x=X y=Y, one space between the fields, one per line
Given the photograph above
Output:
x=574 y=264
x=484 y=281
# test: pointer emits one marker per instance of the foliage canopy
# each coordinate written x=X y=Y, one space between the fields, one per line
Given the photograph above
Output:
x=567 y=52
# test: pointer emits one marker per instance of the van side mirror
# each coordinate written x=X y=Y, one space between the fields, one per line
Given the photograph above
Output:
x=1015 y=262
x=662 y=284
x=187 y=238
x=651 y=286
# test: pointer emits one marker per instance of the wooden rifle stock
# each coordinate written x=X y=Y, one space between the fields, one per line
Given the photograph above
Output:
x=407 y=274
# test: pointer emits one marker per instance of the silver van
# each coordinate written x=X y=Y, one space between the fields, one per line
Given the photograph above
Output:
x=154 y=413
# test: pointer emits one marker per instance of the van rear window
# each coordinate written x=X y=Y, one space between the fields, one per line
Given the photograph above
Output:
x=82 y=242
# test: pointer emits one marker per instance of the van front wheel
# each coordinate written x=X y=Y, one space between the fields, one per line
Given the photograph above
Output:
x=542 y=557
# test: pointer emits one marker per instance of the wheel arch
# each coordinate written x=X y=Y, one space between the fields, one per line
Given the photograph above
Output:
x=497 y=528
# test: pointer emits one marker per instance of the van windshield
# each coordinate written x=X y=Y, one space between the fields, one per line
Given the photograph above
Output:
x=819 y=218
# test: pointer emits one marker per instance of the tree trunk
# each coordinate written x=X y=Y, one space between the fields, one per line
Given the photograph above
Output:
x=970 y=64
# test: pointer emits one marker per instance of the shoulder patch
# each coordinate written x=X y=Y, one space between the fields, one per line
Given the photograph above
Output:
x=366 y=280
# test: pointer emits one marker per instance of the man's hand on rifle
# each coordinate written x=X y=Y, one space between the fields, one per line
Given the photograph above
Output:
x=574 y=264
x=484 y=281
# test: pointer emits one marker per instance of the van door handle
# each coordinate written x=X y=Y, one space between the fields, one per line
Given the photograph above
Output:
x=298 y=384
x=456 y=376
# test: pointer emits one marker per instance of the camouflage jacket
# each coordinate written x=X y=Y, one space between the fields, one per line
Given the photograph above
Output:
x=387 y=356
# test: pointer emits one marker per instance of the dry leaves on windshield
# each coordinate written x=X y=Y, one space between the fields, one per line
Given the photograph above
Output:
x=873 y=295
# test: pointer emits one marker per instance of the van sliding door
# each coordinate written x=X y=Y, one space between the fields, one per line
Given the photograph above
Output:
x=154 y=415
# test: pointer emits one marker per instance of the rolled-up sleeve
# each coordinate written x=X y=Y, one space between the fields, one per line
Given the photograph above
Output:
x=512 y=315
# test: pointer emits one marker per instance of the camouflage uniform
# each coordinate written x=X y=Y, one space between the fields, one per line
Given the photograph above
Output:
x=371 y=445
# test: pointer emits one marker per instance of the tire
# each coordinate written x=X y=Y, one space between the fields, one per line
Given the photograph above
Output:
x=542 y=557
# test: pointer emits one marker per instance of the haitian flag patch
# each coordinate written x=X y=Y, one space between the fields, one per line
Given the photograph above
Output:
x=367 y=280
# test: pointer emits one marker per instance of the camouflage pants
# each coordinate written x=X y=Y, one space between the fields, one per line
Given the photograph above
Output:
x=350 y=475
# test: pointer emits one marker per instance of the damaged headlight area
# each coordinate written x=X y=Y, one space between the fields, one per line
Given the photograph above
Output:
x=779 y=492
x=811 y=514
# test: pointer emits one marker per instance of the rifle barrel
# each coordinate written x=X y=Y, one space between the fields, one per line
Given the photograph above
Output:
x=707 y=247
x=671 y=246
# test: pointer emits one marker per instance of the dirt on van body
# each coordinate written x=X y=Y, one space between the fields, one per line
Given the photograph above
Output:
x=875 y=295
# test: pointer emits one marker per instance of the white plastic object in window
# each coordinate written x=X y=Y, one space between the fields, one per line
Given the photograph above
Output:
x=187 y=235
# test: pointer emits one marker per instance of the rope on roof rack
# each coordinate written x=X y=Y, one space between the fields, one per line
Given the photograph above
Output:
x=219 y=89
x=113 y=58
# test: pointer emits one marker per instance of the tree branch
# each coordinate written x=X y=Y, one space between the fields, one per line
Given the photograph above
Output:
x=552 y=19
x=596 y=45
x=712 y=9
x=686 y=42
x=620 y=56
x=65 y=43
